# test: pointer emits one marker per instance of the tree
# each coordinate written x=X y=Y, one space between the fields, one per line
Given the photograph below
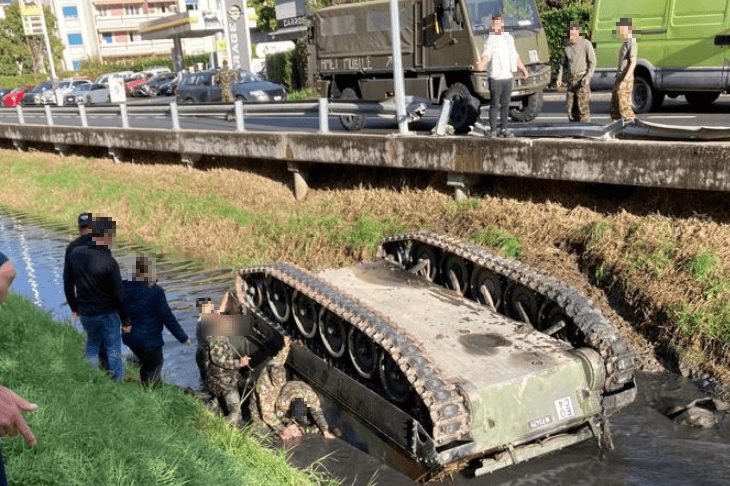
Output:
x=265 y=14
x=21 y=54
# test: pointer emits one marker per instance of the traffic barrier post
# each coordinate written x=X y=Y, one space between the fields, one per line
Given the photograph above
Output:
x=324 y=119
x=238 y=104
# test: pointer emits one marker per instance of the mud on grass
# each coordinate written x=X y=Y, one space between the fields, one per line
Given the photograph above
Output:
x=669 y=276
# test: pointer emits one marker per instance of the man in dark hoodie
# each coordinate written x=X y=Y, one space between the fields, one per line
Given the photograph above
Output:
x=148 y=312
x=93 y=288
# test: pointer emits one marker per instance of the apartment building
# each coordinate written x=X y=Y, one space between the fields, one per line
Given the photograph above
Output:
x=109 y=29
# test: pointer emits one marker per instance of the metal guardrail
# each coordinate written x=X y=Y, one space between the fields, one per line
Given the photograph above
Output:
x=323 y=108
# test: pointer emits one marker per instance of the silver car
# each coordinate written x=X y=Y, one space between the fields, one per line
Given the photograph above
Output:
x=88 y=94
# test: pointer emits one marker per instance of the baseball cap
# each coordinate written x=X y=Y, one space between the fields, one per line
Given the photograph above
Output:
x=84 y=220
x=574 y=25
x=624 y=21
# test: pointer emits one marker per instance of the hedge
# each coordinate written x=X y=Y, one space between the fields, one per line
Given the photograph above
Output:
x=289 y=67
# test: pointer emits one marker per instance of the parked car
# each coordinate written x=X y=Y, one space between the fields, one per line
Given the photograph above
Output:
x=156 y=71
x=169 y=88
x=252 y=88
x=4 y=91
x=15 y=96
x=64 y=88
x=201 y=88
x=152 y=86
x=89 y=94
x=104 y=78
x=134 y=82
x=35 y=96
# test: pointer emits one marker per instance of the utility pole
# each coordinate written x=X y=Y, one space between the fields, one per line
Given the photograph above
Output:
x=398 y=82
x=226 y=30
x=47 y=40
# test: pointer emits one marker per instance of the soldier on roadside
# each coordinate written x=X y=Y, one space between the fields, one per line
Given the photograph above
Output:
x=283 y=406
x=621 y=106
x=225 y=78
x=578 y=65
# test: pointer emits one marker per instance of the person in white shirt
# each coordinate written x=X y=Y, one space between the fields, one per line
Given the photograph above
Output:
x=501 y=58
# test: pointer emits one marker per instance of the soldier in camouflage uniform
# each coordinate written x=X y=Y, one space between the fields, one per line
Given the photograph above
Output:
x=225 y=78
x=621 y=106
x=579 y=63
x=282 y=406
x=223 y=373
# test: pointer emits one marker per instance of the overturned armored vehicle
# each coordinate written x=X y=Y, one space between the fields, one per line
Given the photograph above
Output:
x=457 y=358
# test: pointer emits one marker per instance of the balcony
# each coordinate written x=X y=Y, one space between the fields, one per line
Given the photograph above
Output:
x=123 y=49
x=111 y=23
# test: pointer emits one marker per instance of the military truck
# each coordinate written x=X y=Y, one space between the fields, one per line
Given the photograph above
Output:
x=442 y=40
x=456 y=357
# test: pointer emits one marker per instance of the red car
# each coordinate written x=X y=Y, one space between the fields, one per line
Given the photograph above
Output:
x=135 y=82
x=13 y=98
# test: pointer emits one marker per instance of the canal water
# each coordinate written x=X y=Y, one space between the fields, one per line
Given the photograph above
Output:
x=649 y=448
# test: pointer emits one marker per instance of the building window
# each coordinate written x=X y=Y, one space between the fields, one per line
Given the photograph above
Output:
x=191 y=4
x=75 y=65
x=107 y=38
x=75 y=40
x=134 y=37
x=132 y=9
x=70 y=12
x=102 y=11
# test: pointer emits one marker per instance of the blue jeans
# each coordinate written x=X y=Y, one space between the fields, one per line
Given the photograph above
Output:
x=107 y=329
x=3 y=479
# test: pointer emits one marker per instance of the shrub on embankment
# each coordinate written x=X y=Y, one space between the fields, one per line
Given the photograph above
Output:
x=93 y=431
x=670 y=275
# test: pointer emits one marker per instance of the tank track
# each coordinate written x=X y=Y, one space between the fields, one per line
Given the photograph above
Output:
x=446 y=406
x=586 y=324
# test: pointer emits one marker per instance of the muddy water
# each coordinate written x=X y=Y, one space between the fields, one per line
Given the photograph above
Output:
x=650 y=449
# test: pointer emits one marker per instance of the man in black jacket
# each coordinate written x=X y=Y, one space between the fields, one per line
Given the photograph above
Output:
x=93 y=287
x=84 y=239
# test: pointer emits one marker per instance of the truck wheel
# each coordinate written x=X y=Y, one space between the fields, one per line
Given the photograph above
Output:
x=530 y=107
x=352 y=123
x=644 y=96
x=701 y=99
x=464 y=107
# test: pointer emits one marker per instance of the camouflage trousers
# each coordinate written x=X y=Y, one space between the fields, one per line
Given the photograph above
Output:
x=621 y=106
x=578 y=100
x=226 y=94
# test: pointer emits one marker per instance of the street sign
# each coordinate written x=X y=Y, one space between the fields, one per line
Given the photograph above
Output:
x=117 y=90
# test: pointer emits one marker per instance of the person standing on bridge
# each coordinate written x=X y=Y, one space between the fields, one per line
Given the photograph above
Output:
x=502 y=59
x=225 y=78
x=621 y=106
x=578 y=63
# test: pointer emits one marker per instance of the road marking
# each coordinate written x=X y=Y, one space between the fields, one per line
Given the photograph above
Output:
x=667 y=117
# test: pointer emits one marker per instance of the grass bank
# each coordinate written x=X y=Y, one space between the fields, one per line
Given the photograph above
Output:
x=672 y=273
x=93 y=431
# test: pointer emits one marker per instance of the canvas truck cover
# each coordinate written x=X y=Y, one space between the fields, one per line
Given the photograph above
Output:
x=361 y=29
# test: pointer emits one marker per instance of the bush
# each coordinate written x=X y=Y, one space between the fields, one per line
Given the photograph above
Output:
x=289 y=68
x=556 y=21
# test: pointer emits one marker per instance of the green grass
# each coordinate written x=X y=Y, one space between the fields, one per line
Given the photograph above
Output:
x=93 y=431
x=708 y=321
x=303 y=94
x=500 y=240
x=596 y=233
x=702 y=265
x=652 y=257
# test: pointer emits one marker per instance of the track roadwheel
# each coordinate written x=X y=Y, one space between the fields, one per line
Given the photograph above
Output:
x=306 y=314
x=352 y=123
x=486 y=288
x=254 y=289
x=464 y=107
x=394 y=382
x=456 y=274
x=398 y=253
x=521 y=304
x=279 y=296
x=363 y=353
x=529 y=108
x=333 y=333
x=425 y=261
x=553 y=322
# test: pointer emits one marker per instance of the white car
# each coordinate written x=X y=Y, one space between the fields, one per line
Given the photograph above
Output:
x=88 y=94
x=63 y=88
x=104 y=78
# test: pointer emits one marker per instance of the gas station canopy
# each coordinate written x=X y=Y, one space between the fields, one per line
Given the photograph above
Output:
x=193 y=23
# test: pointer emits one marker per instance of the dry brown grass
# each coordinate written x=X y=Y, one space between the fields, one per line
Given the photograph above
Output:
x=225 y=216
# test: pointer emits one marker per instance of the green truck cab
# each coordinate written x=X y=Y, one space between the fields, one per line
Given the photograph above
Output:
x=684 y=49
x=442 y=40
